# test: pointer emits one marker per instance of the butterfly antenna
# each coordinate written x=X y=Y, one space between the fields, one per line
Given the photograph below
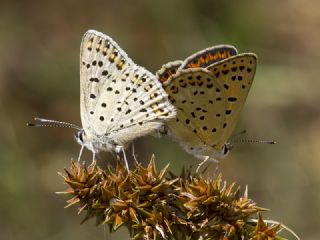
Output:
x=253 y=141
x=42 y=122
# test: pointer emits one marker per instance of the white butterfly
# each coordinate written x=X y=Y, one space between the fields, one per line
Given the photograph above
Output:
x=209 y=90
x=119 y=100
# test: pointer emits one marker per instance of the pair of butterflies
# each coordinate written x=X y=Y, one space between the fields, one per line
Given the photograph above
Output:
x=197 y=101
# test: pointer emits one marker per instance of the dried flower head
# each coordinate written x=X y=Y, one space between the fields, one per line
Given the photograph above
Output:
x=153 y=205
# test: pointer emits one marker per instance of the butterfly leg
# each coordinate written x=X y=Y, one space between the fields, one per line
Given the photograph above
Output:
x=134 y=154
x=125 y=158
x=93 y=158
x=121 y=148
x=206 y=158
x=80 y=153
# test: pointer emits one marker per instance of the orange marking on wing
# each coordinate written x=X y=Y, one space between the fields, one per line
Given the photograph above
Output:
x=206 y=59
x=214 y=57
x=201 y=60
x=223 y=55
x=229 y=54
x=194 y=65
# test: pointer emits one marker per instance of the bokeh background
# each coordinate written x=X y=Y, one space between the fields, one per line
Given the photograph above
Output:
x=39 y=76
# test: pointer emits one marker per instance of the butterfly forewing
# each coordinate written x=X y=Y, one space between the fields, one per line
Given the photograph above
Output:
x=200 y=104
x=235 y=75
x=118 y=98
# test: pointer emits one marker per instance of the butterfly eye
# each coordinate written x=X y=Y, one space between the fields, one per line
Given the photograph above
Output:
x=79 y=136
x=225 y=150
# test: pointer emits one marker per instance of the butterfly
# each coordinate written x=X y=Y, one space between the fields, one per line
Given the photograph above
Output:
x=119 y=100
x=208 y=89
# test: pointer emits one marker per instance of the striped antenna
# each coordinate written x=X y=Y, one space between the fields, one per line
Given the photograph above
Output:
x=253 y=141
x=42 y=122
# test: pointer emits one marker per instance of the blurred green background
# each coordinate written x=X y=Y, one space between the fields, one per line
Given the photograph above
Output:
x=39 y=76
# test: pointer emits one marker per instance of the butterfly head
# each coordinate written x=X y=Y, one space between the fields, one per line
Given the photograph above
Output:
x=222 y=152
x=84 y=140
x=213 y=153
x=96 y=144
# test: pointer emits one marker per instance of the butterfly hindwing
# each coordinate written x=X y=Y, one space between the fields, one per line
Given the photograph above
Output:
x=208 y=56
x=201 y=59
x=167 y=70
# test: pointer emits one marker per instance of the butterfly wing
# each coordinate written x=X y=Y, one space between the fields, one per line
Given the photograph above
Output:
x=202 y=59
x=200 y=103
x=208 y=56
x=120 y=101
x=235 y=75
x=209 y=101
x=167 y=70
